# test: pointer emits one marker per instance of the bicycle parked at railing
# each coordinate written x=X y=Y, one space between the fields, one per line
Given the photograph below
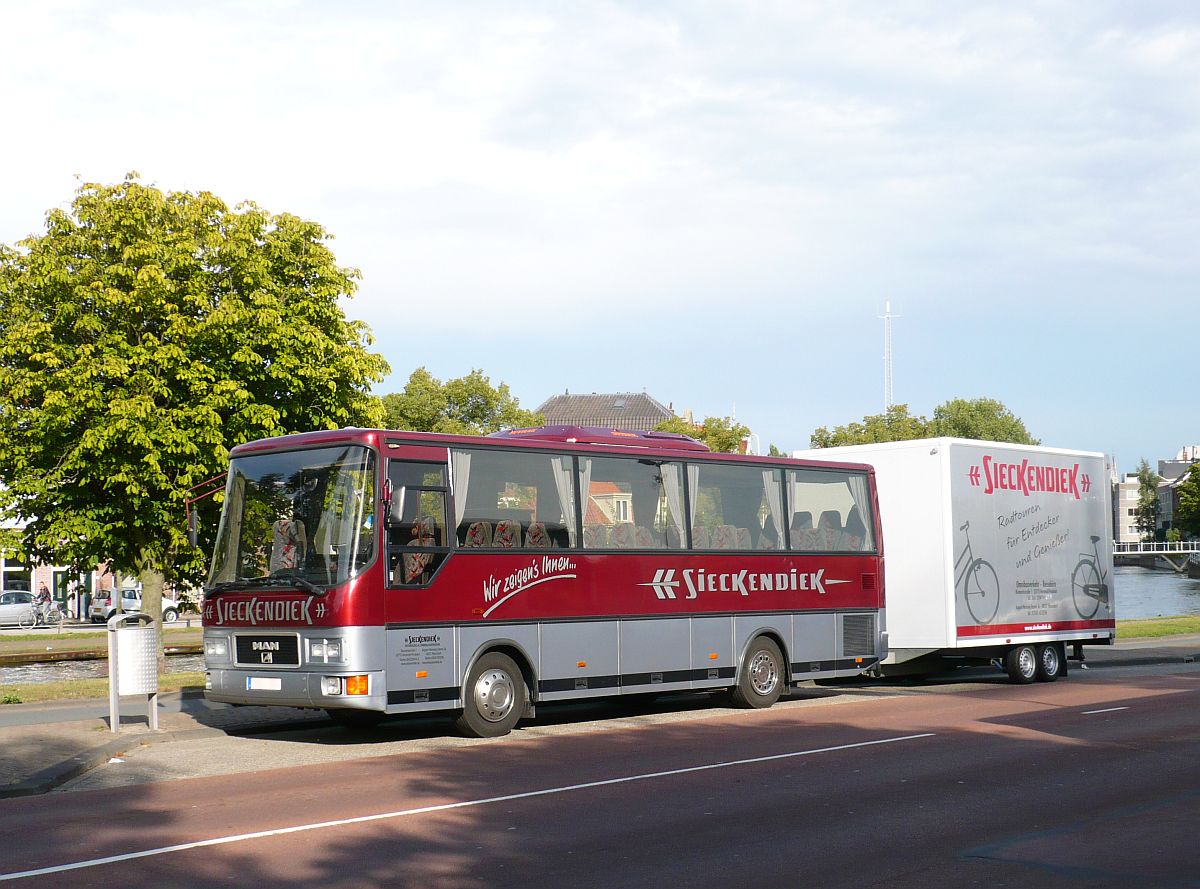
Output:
x=980 y=585
x=1088 y=588
x=42 y=615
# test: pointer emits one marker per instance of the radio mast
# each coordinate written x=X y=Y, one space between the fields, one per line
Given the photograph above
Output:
x=887 y=317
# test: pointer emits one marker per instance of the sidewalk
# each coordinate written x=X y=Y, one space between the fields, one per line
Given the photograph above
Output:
x=47 y=745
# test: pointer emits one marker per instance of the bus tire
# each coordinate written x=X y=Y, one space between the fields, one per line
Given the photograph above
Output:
x=494 y=697
x=1050 y=662
x=760 y=681
x=1021 y=664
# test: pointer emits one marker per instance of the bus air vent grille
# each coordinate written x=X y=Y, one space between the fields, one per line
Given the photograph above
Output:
x=858 y=634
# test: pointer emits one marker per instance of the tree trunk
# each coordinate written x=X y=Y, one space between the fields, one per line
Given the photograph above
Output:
x=152 y=595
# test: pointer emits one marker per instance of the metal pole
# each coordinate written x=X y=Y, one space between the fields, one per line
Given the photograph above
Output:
x=114 y=700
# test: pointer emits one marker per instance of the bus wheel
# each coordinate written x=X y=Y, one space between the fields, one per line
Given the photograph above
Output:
x=493 y=697
x=760 y=681
x=1049 y=662
x=1021 y=664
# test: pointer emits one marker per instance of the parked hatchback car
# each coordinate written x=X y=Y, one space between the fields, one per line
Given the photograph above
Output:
x=14 y=606
x=102 y=607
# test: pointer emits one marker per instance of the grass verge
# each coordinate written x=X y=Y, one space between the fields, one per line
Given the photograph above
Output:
x=38 y=692
x=1158 y=626
x=51 y=640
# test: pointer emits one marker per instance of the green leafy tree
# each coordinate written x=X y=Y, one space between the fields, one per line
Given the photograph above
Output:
x=720 y=433
x=468 y=405
x=1146 y=513
x=142 y=336
x=979 y=418
x=896 y=424
x=1187 y=516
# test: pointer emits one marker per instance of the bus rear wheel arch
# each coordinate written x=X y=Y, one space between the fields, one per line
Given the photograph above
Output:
x=762 y=675
x=495 y=697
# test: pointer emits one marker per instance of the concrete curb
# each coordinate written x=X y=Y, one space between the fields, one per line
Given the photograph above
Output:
x=81 y=763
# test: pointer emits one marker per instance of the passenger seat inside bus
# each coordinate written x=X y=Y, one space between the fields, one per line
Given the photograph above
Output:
x=479 y=534
x=725 y=537
x=595 y=536
x=830 y=526
x=508 y=534
x=537 y=537
x=624 y=536
x=803 y=534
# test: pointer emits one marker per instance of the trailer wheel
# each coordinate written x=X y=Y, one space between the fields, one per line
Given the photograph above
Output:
x=494 y=697
x=760 y=681
x=1049 y=662
x=1021 y=664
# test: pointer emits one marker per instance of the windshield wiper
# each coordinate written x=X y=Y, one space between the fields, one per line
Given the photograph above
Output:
x=294 y=581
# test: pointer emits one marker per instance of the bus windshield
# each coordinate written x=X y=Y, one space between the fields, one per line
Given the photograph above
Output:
x=303 y=518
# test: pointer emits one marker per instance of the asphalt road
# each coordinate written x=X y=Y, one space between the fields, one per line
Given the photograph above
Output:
x=1090 y=782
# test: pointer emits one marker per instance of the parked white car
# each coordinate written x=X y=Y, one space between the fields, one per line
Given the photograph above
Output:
x=14 y=606
x=131 y=600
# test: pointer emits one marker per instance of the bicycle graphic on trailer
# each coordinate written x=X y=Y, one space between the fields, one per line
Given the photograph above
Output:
x=980 y=584
x=1088 y=588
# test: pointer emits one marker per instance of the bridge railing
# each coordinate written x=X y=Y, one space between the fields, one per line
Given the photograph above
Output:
x=1170 y=546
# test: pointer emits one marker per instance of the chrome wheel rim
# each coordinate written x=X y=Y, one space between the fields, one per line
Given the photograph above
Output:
x=1049 y=660
x=1027 y=662
x=764 y=675
x=495 y=693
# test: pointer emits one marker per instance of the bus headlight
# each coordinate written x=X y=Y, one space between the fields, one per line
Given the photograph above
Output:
x=327 y=650
x=216 y=649
x=331 y=685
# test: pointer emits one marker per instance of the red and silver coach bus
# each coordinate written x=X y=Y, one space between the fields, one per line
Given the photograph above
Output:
x=369 y=572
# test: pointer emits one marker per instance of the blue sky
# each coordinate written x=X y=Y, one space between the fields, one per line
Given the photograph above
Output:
x=707 y=201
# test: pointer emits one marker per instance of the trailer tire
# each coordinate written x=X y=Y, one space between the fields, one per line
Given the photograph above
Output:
x=494 y=697
x=760 y=681
x=1021 y=664
x=1050 y=662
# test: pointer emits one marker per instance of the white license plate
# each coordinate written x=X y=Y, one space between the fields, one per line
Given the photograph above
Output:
x=264 y=683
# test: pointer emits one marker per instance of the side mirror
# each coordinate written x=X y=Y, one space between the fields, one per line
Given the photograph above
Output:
x=395 y=508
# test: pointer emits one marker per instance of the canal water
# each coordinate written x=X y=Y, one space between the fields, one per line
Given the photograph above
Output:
x=1140 y=593
x=85 y=669
x=1146 y=592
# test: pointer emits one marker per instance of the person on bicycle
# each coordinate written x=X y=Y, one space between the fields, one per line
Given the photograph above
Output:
x=42 y=601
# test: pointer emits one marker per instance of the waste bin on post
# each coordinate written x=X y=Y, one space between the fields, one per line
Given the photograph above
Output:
x=132 y=664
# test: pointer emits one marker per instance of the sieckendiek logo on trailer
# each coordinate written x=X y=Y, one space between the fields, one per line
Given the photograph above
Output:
x=744 y=582
x=1029 y=478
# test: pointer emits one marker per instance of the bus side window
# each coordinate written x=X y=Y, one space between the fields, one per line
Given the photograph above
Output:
x=416 y=526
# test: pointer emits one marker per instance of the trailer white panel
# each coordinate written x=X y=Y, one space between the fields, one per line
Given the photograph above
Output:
x=989 y=544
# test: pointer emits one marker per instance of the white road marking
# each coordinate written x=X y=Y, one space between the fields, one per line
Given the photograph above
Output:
x=444 y=807
x=1109 y=710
